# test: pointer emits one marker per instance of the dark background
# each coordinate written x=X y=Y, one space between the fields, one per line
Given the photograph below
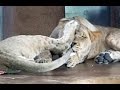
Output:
x=43 y=19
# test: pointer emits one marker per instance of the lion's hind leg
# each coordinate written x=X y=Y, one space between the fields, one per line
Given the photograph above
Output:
x=6 y=70
x=112 y=55
x=107 y=57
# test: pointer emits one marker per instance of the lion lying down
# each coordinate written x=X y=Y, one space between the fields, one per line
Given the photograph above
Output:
x=92 y=41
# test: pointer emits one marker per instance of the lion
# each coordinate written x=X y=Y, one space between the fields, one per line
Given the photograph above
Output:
x=93 y=42
x=19 y=52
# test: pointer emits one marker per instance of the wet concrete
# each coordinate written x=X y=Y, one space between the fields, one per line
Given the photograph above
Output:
x=87 y=73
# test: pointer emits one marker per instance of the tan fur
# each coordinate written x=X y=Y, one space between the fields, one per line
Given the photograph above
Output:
x=18 y=52
x=94 y=35
x=91 y=40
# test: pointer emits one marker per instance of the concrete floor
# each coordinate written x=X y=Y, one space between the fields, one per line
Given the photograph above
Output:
x=87 y=73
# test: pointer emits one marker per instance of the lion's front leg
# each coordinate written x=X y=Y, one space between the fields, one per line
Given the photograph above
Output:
x=43 y=57
x=76 y=58
x=79 y=54
x=73 y=61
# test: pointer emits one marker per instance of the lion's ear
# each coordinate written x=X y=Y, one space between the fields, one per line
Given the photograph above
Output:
x=94 y=35
x=64 y=20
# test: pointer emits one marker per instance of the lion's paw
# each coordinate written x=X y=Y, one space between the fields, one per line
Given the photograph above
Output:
x=104 y=58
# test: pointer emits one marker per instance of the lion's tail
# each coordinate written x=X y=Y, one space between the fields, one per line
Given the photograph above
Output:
x=29 y=66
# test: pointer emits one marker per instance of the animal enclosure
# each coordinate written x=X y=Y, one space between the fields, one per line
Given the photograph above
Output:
x=41 y=20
